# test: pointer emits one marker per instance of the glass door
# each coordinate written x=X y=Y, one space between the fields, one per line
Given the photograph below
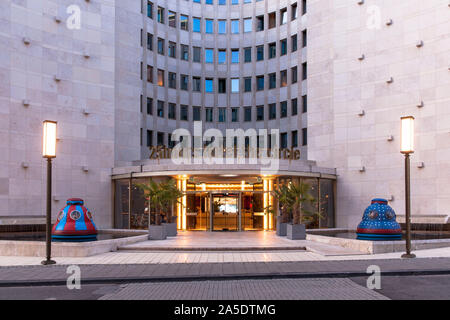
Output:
x=198 y=211
x=225 y=207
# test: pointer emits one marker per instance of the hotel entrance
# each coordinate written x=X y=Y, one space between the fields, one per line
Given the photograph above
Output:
x=225 y=211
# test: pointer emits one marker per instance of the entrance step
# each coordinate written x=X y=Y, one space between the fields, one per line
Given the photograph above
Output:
x=206 y=249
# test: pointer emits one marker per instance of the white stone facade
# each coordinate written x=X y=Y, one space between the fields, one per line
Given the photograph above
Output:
x=415 y=51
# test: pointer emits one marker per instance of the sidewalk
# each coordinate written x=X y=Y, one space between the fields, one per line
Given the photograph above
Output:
x=126 y=273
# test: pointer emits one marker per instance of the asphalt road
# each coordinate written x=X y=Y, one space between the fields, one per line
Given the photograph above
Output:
x=433 y=287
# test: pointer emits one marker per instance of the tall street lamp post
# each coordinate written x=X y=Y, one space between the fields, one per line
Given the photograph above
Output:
x=407 y=147
x=49 y=152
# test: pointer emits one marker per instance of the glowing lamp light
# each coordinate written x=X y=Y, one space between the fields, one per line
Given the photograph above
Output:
x=407 y=135
x=49 y=139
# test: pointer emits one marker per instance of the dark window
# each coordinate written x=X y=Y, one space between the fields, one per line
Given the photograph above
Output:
x=259 y=23
x=184 y=52
x=294 y=42
x=184 y=112
x=234 y=114
x=196 y=84
x=160 y=15
x=304 y=71
x=272 y=20
x=294 y=139
x=222 y=85
x=283 y=140
x=283 y=109
x=272 y=111
x=248 y=84
x=149 y=106
x=283 y=45
x=294 y=11
x=197 y=54
x=172 y=80
x=260 y=113
x=209 y=114
x=172 y=19
x=305 y=136
x=172 y=111
x=161 y=46
x=247 y=114
x=294 y=106
x=247 y=55
x=259 y=53
x=272 y=50
x=184 y=82
x=294 y=75
x=172 y=50
x=304 y=103
x=283 y=78
x=272 y=81
x=150 y=74
x=150 y=10
x=260 y=83
x=304 y=38
x=196 y=113
x=160 y=109
x=149 y=41
x=160 y=138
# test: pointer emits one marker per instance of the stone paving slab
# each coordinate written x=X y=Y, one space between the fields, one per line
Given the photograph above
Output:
x=172 y=272
x=279 y=289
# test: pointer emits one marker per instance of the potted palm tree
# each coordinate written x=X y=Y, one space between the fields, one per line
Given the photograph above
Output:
x=299 y=196
x=285 y=203
x=161 y=196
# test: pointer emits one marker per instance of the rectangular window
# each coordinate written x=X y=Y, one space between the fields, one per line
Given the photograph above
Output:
x=172 y=50
x=184 y=82
x=150 y=10
x=222 y=27
x=235 y=85
x=272 y=50
x=234 y=1
x=160 y=15
x=304 y=7
x=248 y=25
x=294 y=107
x=272 y=20
x=150 y=41
x=222 y=56
x=184 y=112
x=283 y=109
x=172 y=111
x=304 y=103
x=209 y=88
x=283 y=16
x=209 y=1
x=234 y=114
x=259 y=53
x=209 y=56
x=184 y=52
x=149 y=106
x=248 y=84
x=294 y=75
x=234 y=26
x=272 y=80
x=283 y=47
x=197 y=54
x=160 y=111
x=196 y=25
x=150 y=74
x=222 y=115
x=209 y=26
x=247 y=114
x=222 y=2
x=234 y=55
x=222 y=85
x=172 y=19
x=260 y=113
x=283 y=78
x=272 y=111
x=294 y=43
x=160 y=138
x=283 y=140
x=247 y=55
x=196 y=86
x=161 y=46
x=184 y=22
x=304 y=136
x=196 y=113
x=259 y=23
x=294 y=11
x=304 y=38
x=172 y=80
x=294 y=139
x=304 y=71
x=259 y=83
x=209 y=114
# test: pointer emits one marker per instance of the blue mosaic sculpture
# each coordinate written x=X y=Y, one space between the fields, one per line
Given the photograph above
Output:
x=379 y=223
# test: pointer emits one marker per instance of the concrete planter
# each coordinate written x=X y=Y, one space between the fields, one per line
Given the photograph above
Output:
x=171 y=229
x=296 y=231
x=157 y=232
x=281 y=229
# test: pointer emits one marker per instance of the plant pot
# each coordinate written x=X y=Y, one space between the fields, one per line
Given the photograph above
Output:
x=157 y=232
x=171 y=229
x=281 y=229
x=296 y=231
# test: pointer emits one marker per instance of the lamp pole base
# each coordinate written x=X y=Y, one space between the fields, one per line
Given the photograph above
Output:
x=48 y=262
x=408 y=256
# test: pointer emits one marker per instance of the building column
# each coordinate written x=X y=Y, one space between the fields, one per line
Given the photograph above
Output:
x=268 y=202
x=181 y=208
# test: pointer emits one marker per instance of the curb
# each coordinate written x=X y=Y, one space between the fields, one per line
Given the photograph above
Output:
x=126 y=280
